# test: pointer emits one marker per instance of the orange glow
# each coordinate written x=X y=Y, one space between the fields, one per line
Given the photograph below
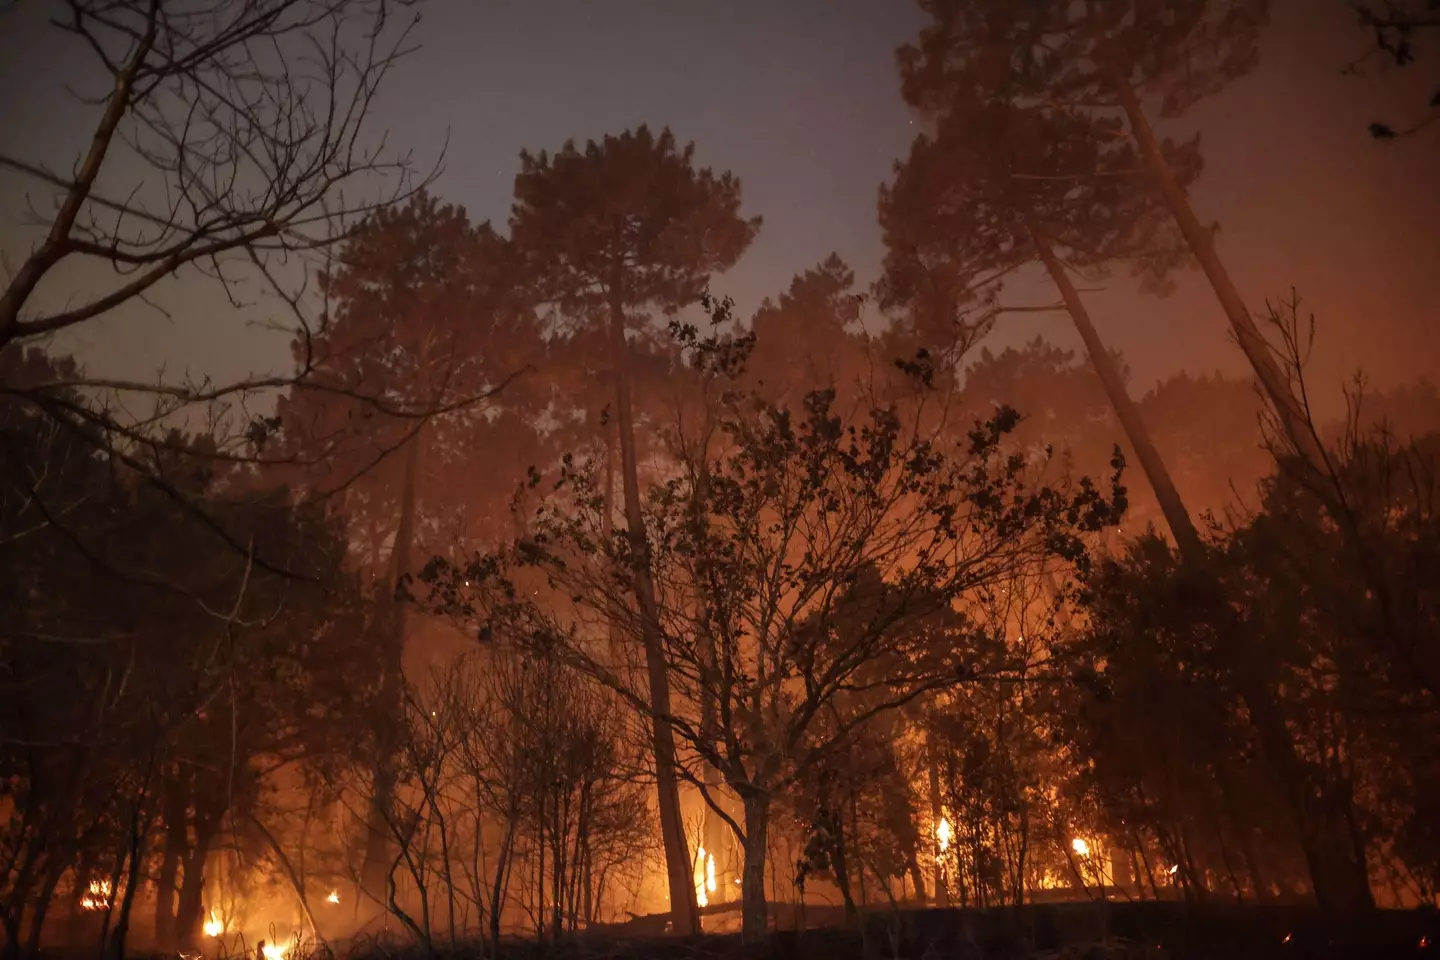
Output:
x=97 y=896
x=705 y=882
x=213 y=926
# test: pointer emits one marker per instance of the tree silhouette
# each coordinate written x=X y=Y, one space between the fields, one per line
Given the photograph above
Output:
x=820 y=310
x=153 y=676
x=1001 y=186
x=627 y=225
x=807 y=565
x=426 y=318
x=250 y=127
x=1086 y=62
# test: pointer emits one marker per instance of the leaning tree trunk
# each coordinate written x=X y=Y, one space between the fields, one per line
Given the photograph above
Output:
x=754 y=922
x=1293 y=418
x=684 y=916
x=1176 y=516
x=1339 y=879
x=1338 y=872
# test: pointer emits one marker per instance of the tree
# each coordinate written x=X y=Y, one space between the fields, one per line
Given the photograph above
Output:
x=154 y=678
x=803 y=564
x=1001 y=186
x=427 y=321
x=820 y=310
x=249 y=124
x=1081 y=62
x=628 y=225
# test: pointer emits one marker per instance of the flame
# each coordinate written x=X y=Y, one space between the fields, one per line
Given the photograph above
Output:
x=275 y=951
x=710 y=872
x=97 y=896
x=1172 y=870
x=1080 y=847
x=942 y=834
x=214 y=927
x=701 y=897
x=334 y=897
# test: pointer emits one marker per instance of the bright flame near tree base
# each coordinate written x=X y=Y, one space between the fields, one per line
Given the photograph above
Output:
x=706 y=886
x=97 y=896
x=213 y=926
x=276 y=951
x=942 y=834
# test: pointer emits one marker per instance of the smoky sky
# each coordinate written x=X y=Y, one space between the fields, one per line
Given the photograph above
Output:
x=800 y=99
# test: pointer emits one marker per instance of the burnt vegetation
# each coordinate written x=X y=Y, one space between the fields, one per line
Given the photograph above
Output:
x=544 y=603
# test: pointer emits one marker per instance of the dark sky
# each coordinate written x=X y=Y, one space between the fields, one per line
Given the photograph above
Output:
x=800 y=99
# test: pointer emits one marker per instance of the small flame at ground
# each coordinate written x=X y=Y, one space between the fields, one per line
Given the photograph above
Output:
x=1080 y=847
x=97 y=896
x=213 y=926
x=334 y=897
x=276 y=951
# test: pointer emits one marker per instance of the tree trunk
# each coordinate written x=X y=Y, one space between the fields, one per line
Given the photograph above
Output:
x=754 y=923
x=1272 y=379
x=917 y=876
x=1338 y=874
x=834 y=824
x=190 y=917
x=139 y=829
x=942 y=895
x=375 y=872
x=684 y=916
x=177 y=818
x=1176 y=516
x=497 y=890
x=1336 y=891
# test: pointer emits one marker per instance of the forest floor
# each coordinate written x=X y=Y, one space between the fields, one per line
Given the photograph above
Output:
x=1092 y=931
x=1136 y=930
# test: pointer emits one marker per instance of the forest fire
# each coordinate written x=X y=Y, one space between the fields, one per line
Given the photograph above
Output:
x=534 y=582
x=704 y=884
x=97 y=896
